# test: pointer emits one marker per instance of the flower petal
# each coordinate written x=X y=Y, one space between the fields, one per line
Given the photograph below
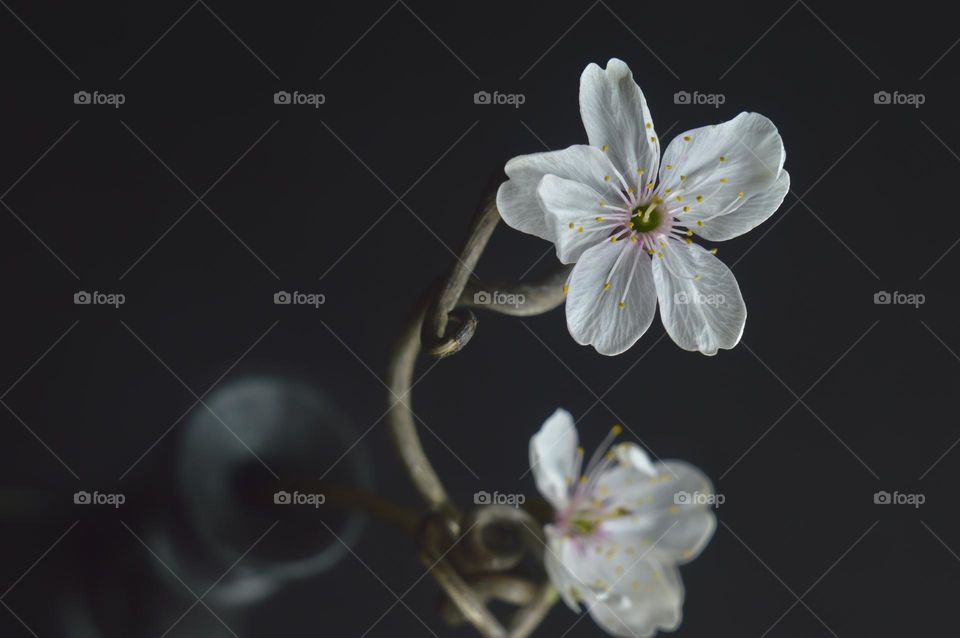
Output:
x=670 y=516
x=615 y=114
x=606 y=276
x=553 y=451
x=648 y=598
x=517 y=197
x=717 y=171
x=578 y=216
x=700 y=301
x=754 y=211
x=634 y=598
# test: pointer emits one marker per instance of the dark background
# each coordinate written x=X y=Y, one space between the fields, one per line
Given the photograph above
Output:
x=828 y=398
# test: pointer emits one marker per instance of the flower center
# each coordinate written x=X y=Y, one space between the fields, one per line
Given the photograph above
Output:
x=645 y=219
x=583 y=526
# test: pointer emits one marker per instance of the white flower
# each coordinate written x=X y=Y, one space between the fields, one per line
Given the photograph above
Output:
x=620 y=528
x=626 y=219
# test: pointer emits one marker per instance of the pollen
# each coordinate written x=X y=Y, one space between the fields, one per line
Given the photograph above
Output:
x=566 y=288
x=700 y=223
x=604 y=148
x=686 y=209
x=723 y=180
x=723 y=158
x=699 y=198
x=620 y=305
x=683 y=178
x=599 y=219
x=689 y=233
x=688 y=241
x=570 y=225
x=679 y=198
x=669 y=167
x=639 y=171
x=617 y=429
x=686 y=138
x=653 y=139
x=713 y=251
x=580 y=229
x=649 y=184
x=606 y=178
x=613 y=240
x=606 y=286
x=740 y=194
x=649 y=125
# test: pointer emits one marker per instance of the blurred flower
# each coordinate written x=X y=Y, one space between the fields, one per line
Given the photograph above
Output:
x=622 y=526
x=627 y=219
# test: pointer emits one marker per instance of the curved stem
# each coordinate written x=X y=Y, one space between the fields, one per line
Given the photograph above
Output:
x=400 y=418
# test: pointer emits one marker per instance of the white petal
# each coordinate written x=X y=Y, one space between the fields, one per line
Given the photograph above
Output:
x=754 y=211
x=700 y=301
x=672 y=518
x=569 y=587
x=615 y=114
x=553 y=452
x=517 y=197
x=627 y=595
x=747 y=152
x=594 y=315
x=648 y=598
x=579 y=220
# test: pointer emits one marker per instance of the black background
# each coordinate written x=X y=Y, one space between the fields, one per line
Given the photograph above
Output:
x=798 y=469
